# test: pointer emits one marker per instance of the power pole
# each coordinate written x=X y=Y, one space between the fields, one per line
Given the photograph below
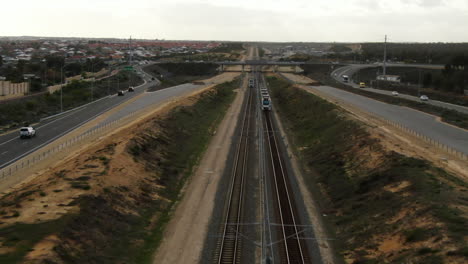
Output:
x=130 y=63
x=130 y=50
x=419 y=82
x=385 y=58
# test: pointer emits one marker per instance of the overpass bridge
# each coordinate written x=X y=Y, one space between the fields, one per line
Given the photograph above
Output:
x=243 y=64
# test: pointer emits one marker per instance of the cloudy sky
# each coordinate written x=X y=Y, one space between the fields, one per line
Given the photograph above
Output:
x=244 y=20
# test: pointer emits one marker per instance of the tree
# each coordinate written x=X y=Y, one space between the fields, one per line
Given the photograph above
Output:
x=340 y=48
x=73 y=69
x=55 y=62
x=94 y=65
x=427 y=79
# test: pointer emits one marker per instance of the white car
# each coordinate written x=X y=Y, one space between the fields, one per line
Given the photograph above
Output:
x=424 y=98
x=395 y=93
x=27 y=132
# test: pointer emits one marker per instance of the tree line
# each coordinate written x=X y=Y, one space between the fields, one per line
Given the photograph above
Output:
x=48 y=71
x=453 y=78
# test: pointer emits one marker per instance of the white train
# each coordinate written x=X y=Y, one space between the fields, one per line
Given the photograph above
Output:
x=266 y=103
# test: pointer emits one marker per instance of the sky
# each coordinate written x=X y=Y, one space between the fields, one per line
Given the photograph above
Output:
x=241 y=20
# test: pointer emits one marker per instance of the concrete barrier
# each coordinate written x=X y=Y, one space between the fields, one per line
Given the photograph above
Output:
x=10 y=90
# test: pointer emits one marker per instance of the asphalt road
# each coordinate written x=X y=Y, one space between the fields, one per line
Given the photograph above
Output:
x=352 y=69
x=423 y=123
x=13 y=148
x=151 y=98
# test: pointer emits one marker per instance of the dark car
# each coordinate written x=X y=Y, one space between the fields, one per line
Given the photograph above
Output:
x=131 y=89
x=120 y=93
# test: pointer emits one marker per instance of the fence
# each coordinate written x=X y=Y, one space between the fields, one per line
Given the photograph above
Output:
x=58 y=146
x=55 y=148
x=427 y=139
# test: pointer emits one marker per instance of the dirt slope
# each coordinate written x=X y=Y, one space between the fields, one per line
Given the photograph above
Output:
x=381 y=205
x=110 y=202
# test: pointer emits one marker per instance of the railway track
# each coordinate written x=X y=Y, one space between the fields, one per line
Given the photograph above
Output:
x=292 y=249
x=230 y=244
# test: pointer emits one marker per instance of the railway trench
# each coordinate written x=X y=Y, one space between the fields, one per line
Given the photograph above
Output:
x=257 y=219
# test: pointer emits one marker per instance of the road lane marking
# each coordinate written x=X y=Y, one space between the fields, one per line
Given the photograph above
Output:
x=8 y=141
x=55 y=120
x=84 y=122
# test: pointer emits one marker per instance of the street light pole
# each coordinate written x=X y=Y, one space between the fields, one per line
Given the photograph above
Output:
x=385 y=59
x=94 y=79
x=108 y=79
x=61 y=88
x=92 y=84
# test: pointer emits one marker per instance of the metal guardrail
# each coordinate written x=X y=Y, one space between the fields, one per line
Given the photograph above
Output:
x=425 y=138
x=59 y=146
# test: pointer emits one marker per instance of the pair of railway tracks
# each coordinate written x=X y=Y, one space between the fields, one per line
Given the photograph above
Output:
x=291 y=247
x=229 y=247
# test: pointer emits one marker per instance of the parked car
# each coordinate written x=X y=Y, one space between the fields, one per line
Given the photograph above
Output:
x=120 y=93
x=27 y=132
x=395 y=93
x=131 y=89
x=424 y=98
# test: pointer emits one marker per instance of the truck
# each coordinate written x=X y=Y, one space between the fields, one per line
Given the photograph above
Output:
x=345 y=78
x=266 y=103
x=27 y=132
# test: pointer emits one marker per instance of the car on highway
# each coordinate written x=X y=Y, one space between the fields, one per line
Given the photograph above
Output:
x=27 y=132
x=131 y=89
x=395 y=93
x=120 y=93
x=424 y=98
x=362 y=85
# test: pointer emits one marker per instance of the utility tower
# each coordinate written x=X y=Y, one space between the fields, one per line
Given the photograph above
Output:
x=130 y=51
x=385 y=58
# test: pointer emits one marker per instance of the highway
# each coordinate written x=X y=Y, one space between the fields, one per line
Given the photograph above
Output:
x=13 y=148
x=423 y=123
x=353 y=68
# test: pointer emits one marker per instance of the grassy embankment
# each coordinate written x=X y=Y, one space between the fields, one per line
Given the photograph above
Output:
x=123 y=223
x=321 y=73
x=30 y=110
x=381 y=206
x=179 y=73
